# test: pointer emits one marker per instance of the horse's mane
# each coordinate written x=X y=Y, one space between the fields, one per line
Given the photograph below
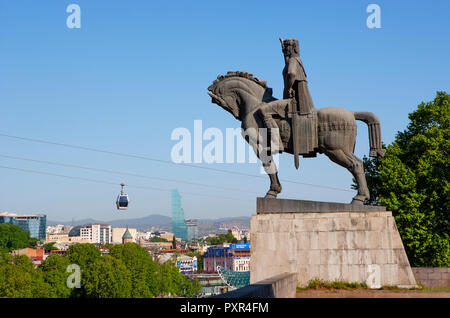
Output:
x=242 y=74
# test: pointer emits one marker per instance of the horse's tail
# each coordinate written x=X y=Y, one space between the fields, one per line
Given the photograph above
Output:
x=373 y=124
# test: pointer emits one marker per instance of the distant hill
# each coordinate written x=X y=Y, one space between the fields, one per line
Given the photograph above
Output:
x=165 y=223
x=207 y=226
x=144 y=223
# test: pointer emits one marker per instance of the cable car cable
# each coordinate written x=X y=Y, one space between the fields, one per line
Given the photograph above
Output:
x=115 y=183
x=164 y=161
x=125 y=173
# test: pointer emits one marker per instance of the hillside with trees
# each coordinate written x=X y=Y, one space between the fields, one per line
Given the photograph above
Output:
x=127 y=271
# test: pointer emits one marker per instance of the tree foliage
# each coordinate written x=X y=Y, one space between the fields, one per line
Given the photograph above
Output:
x=19 y=279
x=158 y=239
x=222 y=238
x=12 y=237
x=54 y=270
x=128 y=271
x=108 y=277
x=412 y=181
x=173 y=283
x=84 y=255
x=141 y=266
x=49 y=246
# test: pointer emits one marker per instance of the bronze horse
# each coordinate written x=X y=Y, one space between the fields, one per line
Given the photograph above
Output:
x=241 y=94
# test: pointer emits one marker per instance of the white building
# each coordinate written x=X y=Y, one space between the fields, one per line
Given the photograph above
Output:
x=59 y=229
x=147 y=235
x=96 y=233
x=187 y=264
x=241 y=264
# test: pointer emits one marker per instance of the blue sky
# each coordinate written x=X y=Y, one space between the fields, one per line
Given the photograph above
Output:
x=136 y=70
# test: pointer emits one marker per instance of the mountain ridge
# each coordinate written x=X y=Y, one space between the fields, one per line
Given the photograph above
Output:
x=154 y=220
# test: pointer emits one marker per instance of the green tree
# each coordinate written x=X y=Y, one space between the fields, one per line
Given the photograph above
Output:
x=191 y=287
x=221 y=238
x=19 y=279
x=158 y=239
x=83 y=255
x=143 y=270
x=5 y=258
x=50 y=246
x=412 y=181
x=12 y=237
x=54 y=270
x=108 y=277
x=173 y=283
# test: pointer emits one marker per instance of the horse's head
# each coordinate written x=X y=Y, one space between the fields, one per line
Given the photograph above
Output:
x=238 y=92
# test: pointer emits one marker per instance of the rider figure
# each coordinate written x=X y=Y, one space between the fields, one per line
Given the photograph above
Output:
x=294 y=75
x=296 y=92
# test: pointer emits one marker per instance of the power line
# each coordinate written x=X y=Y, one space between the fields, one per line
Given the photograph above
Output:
x=163 y=161
x=123 y=154
x=126 y=173
x=114 y=183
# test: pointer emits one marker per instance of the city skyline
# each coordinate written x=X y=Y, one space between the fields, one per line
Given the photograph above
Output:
x=110 y=86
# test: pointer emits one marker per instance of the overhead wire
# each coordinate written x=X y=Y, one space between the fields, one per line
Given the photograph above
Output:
x=115 y=183
x=126 y=174
x=162 y=161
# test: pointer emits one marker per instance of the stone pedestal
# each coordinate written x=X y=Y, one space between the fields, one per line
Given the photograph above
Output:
x=329 y=241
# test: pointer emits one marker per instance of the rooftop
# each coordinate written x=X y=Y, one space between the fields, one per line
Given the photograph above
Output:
x=127 y=235
x=20 y=215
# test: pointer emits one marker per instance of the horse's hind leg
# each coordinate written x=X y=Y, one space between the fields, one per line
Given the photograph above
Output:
x=355 y=166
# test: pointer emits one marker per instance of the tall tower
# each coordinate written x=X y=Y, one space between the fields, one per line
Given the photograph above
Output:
x=178 y=222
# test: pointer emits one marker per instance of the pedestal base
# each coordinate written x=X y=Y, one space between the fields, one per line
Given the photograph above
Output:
x=357 y=246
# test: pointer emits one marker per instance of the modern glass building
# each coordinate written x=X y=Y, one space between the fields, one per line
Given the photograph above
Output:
x=192 y=229
x=35 y=224
x=179 y=228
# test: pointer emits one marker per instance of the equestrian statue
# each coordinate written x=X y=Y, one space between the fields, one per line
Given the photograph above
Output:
x=294 y=125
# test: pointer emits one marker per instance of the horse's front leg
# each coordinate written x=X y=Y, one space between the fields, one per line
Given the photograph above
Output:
x=269 y=165
x=275 y=186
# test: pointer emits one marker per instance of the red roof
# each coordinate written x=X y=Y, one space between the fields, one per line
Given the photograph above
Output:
x=173 y=250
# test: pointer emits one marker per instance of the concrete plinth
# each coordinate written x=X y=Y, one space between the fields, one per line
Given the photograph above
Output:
x=354 y=246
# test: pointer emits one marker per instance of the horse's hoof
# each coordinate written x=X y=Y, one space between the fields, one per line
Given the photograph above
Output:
x=271 y=195
x=356 y=201
x=377 y=153
x=276 y=188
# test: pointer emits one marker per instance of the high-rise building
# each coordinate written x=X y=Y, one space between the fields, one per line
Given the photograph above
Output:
x=192 y=229
x=35 y=224
x=178 y=222
x=96 y=233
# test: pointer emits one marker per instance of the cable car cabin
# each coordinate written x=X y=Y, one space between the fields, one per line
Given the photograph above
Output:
x=122 y=201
